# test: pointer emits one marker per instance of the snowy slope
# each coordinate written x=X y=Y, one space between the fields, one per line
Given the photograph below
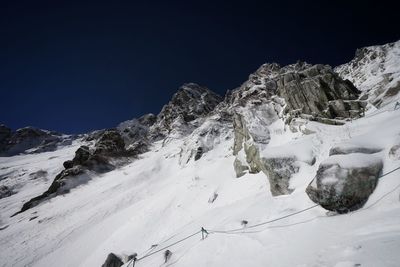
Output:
x=132 y=208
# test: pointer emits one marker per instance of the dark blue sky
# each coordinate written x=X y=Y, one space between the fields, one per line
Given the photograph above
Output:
x=75 y=67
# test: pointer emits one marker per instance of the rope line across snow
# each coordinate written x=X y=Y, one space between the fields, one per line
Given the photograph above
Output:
x=235 y=231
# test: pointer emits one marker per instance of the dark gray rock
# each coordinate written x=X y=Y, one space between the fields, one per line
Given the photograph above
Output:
x=343 y=150
x=112 y=261
x=5 y=192
x=279 y=172
x=136 y=130
x=191 y=102
x=82 y=155
x=68 y=164
x=343 y=187
x=110 y=147
x=312 y=89
x=64 y=181
x=110 y=143
x=199 y=153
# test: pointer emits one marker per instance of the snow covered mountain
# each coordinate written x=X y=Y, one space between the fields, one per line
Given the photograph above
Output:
x=375 y=70
x=299 y=166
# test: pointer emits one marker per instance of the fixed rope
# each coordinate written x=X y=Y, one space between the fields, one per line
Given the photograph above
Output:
x=205 y=231
x=264 y=223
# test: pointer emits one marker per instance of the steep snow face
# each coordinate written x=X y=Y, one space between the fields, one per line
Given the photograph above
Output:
x=158 y=201
x=375 y=70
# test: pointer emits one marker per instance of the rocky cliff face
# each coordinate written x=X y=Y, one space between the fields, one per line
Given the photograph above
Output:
x=375 y=70
x=275 y=93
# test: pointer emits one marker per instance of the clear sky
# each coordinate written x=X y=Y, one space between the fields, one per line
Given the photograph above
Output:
x=78 y=66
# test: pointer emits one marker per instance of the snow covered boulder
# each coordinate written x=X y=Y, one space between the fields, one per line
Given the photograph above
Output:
x=344 y=182
x=279 y=172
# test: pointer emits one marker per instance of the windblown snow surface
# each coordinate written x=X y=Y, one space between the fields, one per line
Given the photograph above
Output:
x=155 y=200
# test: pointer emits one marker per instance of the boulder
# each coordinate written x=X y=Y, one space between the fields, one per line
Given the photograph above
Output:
x=189 y=103
x=5 y=135
x=68 y=164
x=112 y=261
x=279 y=172
x=5 y=191
x=344 y=182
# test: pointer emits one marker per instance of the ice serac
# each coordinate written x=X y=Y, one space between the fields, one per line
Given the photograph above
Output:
x=272 y=93
x=183 y=113
x=375 y=70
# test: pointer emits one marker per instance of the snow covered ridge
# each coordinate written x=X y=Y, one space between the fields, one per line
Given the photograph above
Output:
x=286 y=140
x=375 y=70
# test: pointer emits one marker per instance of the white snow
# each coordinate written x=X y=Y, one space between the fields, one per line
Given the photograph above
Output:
x=353 y=160
x=130 y=209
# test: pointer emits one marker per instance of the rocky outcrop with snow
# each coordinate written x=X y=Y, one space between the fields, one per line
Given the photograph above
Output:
x=375 y=70
x=30 y=140
x=108 y=152
x=274 y=93
x=344 y=182
x=181 y=115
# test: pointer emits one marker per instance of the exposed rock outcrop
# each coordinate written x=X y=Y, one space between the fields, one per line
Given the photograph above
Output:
x=137 y=130
x=180 y=115
x=344 y=182
x=279 y=172
x=375 y=70
x=107 y=153
x=5 y=191
x=64 y=181
x=112 y=261
x=5 y=135
x=309 y=92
